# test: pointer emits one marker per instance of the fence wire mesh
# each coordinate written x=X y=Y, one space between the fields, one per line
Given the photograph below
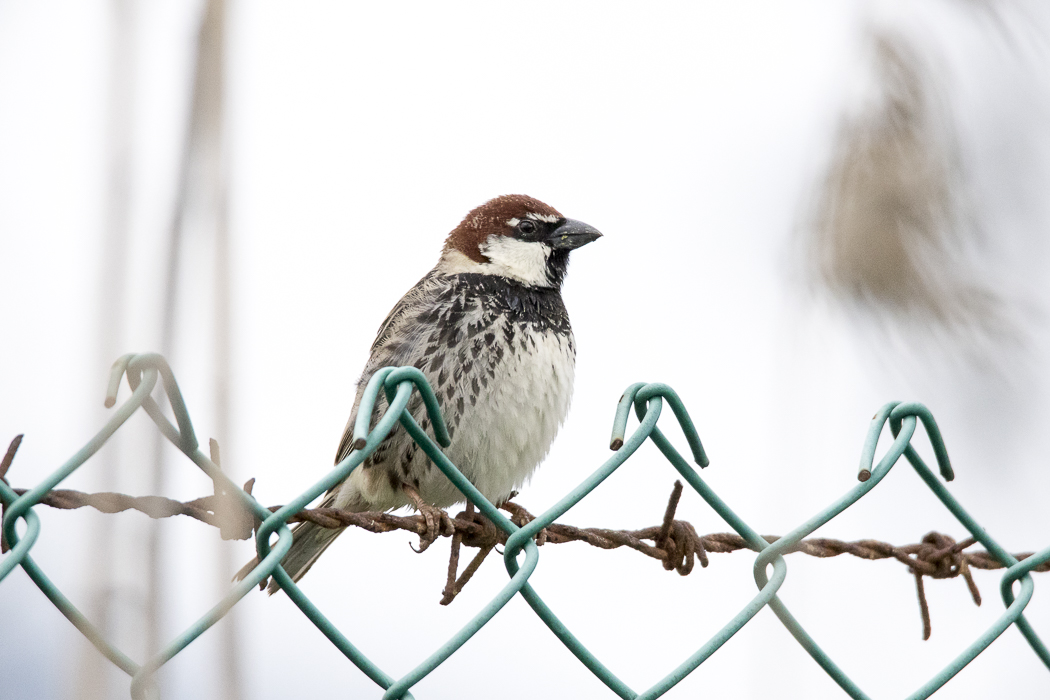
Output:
x=237 y=513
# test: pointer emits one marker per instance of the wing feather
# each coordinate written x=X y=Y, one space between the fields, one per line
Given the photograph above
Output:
x=397 y=343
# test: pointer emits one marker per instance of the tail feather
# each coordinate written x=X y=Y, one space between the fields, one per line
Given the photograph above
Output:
x=309 y=542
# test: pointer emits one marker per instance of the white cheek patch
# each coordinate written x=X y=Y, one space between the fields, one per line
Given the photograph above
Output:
x=524 y=261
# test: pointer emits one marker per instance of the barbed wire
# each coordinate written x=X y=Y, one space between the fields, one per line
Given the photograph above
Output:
x=675 y=543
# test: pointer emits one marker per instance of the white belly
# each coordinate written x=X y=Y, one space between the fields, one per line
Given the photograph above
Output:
x=500 y=433
x=503 y=437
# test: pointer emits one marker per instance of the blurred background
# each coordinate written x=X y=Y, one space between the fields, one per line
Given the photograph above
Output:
x=809 y=209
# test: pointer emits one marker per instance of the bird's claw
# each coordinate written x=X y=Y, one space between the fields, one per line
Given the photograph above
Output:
x=436 y=522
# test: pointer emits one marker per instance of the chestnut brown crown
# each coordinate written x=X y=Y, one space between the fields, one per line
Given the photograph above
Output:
x=502 y=216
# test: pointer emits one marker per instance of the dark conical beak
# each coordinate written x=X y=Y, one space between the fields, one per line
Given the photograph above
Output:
x=572 y=234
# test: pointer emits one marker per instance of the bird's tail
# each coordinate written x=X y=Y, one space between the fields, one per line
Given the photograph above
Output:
x=308 y=543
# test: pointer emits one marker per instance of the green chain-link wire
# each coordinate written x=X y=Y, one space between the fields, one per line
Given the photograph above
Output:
x=398 y=385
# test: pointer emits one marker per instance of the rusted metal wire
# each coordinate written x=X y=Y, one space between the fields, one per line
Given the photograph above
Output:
x=675 y=543
x=923 y=558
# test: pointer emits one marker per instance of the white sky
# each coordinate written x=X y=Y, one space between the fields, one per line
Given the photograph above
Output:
x=690 y=135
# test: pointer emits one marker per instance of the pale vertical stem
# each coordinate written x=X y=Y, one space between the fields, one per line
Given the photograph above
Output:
x=94 y=670
x=194 y=146
x=212 y=73
x=203 y=182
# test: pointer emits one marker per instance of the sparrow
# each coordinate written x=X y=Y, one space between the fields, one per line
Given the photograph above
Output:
x=489 y=330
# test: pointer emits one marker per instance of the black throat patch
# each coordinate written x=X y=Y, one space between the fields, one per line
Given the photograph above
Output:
x=541 y=308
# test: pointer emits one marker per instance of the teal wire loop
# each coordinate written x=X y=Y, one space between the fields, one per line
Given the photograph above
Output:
x=521 y=554
x=638 y=395
x=932 y=431
x=623 y=412
x=183 y=438
x=419 y=381
x=684 y=421
x=116 y=373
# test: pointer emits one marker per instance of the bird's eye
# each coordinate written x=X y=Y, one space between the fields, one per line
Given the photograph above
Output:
x=526 y=226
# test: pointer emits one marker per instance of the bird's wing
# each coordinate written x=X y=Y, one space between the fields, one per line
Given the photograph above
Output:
x=417 y=297
x=397 y=343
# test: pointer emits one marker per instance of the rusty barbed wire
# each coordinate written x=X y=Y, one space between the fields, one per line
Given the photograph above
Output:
x=675 y=543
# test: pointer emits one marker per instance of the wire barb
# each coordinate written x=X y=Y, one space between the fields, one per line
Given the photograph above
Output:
x=672 y=506
x=10 y=456
x=939 y=556
x=486 y=542
x=235 y=521
x=924 y=608
x=12 y=449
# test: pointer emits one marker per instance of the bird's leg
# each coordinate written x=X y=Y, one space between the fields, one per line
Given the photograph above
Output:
x=432 y=516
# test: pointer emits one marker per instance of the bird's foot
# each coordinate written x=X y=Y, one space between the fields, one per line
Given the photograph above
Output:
x=435 y=520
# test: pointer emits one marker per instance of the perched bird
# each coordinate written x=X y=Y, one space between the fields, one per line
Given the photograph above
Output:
x=488 y=329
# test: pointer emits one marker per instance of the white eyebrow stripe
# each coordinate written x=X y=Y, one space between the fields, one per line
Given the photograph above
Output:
x=513 y=222
x=549 y=218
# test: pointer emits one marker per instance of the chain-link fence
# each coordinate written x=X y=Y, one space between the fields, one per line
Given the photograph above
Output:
x=937 y=557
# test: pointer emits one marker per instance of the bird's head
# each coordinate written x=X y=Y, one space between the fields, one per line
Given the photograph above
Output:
x=517 y=237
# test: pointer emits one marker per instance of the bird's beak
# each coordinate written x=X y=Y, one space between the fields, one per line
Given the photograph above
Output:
x=572 y=234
